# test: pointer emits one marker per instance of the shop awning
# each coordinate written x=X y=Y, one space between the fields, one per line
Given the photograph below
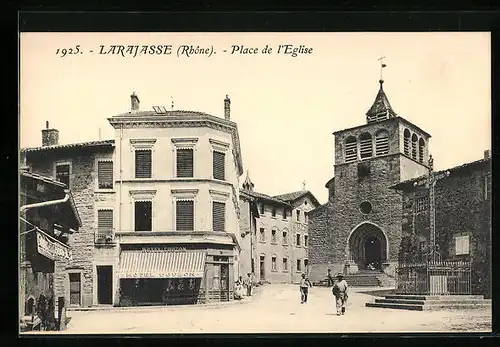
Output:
x=161 y=264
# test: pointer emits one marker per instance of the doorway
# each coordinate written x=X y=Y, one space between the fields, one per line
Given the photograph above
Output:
x=105 y=285
x=262 y=268
x=75 y=289
x=373 y=251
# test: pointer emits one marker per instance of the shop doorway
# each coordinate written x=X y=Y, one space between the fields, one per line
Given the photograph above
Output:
x=105 y=285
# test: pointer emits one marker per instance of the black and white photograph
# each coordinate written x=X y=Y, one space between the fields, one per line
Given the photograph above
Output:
x=257 y=182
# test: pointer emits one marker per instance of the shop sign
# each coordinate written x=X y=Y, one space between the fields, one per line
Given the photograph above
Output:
x=160 y=274
x=52 y=249
x=163 y=249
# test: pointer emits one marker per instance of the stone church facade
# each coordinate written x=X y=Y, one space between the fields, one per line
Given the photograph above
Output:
x=361 y=222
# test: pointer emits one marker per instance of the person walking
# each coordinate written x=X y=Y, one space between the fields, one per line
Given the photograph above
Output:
x=304 y=288
x=339 y=290
x=248 y=284
x=329 y=278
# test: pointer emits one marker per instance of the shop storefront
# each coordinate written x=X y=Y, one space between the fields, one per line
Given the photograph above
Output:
x=167 y=275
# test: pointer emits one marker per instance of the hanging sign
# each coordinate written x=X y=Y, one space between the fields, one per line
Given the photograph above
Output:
x=52 y=249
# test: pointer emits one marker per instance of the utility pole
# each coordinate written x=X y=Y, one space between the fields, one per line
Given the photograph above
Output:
x=430 y=183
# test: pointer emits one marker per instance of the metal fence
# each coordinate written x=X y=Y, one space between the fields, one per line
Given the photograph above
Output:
x=434 y=278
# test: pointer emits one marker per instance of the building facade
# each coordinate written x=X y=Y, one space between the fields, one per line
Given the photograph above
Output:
x=277 y=245
x=462 y=220
x=160 y=205
x=360 y=224
x=48 y=216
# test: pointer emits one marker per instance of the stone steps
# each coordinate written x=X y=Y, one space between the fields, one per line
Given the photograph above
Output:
x=430 y=303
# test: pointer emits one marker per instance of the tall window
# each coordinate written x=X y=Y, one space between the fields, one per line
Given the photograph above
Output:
x=351 y=149
x=285 y=238
x=273 y=264
x=421 y=147
x=421 y=203
x=219 y=216
x=184 y=162
x=285 y=264
x=298 y=215
x=462 y=245
x=414 y=141
x=273 y=212
x=105 y=174
x=184 y=215
x=273 y=237
x=143 y=215
x=365 y=146
x=298 y=239
x=104 y=224
x=382 y=143
x=299 y=267
x=406 y=142
x=219 y=167
x=305 y=240
x=262 y=235
x=63 y=173
x=306 y=263
x=285 y=213
x=143 y=163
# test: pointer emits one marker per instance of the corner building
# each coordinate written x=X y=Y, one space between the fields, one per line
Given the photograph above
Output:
x=361 y=222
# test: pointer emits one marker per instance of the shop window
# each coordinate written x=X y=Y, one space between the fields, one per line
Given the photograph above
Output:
x=63 y=173
x=219 y=169
x=219 y=216
x=185 y=162
x=143 y=163
x=184 y=215
x=143 y=215
x=462 y=245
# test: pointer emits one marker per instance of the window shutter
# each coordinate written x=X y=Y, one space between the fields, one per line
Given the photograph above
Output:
x=105 y=174
x=458 y=245
x=219 y=165
x=184 y=162
x=465 y=245
x=184 y=215
x=219 y=216
x=104 y=222
x=143 y=163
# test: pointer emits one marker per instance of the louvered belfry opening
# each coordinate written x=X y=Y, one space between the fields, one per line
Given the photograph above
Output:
x=143 y=163
x=219 y=159
x=382 y=143
x=414 y=141
x=105 y=174
x=421 y=147
x=143 y=216
x=184 y=215
x=365 y=146
x=104 y=224
x=219 y=216
x=406 y=142
x=185 y=162
x=351 y=149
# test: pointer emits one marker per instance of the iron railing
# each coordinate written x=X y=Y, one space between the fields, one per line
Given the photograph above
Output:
x=434 y=278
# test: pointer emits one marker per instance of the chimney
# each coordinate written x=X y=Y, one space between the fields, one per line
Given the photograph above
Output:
x=50 y=137
x=134 y=99
x=487 y=154
x=227 y=108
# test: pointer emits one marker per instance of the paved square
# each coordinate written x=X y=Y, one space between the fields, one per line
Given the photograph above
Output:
x=277 y=309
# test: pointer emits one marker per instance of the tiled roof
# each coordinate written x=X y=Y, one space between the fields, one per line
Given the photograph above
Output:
x=293 y=196
x=456 y=168
x=264 y=197
x=70 y=146
x=381 y=104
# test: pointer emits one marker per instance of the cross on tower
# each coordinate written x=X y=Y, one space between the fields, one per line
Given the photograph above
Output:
x=382 y=65
x=303 y=185
x=172 y=102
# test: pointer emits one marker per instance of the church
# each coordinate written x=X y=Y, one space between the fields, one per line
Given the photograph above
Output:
x=360 y=225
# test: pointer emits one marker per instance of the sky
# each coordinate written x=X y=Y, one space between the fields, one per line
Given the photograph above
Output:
x=286 y=107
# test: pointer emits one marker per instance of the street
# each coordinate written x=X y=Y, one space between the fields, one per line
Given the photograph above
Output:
x=276 y=309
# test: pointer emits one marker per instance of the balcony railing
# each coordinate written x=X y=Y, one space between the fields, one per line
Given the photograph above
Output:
x=104 y=237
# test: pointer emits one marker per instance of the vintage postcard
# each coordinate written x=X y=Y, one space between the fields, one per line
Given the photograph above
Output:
x=254 y=182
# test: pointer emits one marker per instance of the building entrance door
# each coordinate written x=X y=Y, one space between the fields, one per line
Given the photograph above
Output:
x=262 y=268
x=224 y=282
x=105 y=285
x=373 y=251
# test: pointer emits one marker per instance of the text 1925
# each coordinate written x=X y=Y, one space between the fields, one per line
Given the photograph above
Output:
x=62 y=52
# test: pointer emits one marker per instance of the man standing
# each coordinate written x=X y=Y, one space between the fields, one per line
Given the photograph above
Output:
x=248 y=283
x=304 y=288
x=339 y=290
x=329 y=277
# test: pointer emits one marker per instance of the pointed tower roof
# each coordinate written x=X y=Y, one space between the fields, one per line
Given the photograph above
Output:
x=381 y=108
x=248 y=184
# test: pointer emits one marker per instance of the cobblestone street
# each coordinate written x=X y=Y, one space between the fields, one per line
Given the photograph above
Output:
x=276 y=309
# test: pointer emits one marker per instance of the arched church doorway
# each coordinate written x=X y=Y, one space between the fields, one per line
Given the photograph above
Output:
x=368 y=246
